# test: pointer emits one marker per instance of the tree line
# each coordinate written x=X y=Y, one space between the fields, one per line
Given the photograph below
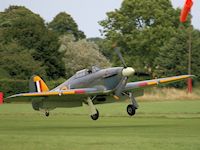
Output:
x=30 y=46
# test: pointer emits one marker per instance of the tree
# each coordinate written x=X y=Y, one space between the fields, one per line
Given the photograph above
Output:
x=17 y=63
x=19 y=24
x=81 y=54
x=63 y=23
x=104 y=46
x=173 y=56
x=141 y=28
x=196 y=54
x=47 y=52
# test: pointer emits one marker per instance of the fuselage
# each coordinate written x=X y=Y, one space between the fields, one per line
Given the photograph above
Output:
x=106 y=79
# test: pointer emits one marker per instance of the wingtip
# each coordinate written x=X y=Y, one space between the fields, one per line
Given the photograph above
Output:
x=191 y=76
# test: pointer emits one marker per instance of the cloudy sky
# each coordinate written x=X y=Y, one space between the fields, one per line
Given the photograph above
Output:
x=86 y=13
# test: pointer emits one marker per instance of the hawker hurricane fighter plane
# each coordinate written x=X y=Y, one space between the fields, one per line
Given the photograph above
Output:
x=90 y=86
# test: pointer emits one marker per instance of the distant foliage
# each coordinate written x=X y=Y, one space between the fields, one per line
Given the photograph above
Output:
x=105 y=47
x=63 y=23
x=18 y=24
x=17 y=63
x=151 y=38
x=10 y=86
x=173 y=56
x=81 y=54
x=141 y=28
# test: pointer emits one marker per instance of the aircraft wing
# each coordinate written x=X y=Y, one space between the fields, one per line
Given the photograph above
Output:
x=57 y=95
x=149 y=83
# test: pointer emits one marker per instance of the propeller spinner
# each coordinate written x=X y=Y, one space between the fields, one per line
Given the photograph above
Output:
x=128 y=71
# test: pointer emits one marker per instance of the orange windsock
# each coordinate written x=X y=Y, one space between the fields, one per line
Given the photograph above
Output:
x=185 y=11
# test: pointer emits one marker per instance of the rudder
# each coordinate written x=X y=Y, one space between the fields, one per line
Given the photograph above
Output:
x=36 y=84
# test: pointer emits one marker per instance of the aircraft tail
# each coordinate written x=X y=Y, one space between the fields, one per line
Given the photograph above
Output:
x=36 y=84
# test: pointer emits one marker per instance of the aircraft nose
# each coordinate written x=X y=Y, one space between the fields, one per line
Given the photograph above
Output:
x=128 y=71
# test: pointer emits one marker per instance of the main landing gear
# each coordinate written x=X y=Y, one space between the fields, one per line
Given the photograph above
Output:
x=95 y=116
x=131 y=108
x=94 y=113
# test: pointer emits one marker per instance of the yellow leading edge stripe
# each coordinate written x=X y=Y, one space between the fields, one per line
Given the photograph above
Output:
x=152 y=83
x=50 y=93
x=173 y=79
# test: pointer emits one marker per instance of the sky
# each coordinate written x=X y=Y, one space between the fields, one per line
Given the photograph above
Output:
x=86 y=13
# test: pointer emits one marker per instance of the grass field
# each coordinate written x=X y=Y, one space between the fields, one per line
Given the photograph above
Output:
x=165 y=125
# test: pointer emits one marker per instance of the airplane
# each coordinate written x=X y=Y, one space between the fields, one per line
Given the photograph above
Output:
x=90 y=86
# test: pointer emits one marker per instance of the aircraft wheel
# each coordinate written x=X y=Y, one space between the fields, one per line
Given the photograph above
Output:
x=131 y=110
x=47 y=114
x=95 y=116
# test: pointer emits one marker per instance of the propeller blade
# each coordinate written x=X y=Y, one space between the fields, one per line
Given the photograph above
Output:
x=121 y=86
x=120 y=56
x=126 y=72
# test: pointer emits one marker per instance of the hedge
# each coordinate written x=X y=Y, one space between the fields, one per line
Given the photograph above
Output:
x=10 y=87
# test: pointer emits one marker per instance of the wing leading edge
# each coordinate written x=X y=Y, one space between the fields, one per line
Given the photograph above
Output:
x=148 y=83
x=84 y=92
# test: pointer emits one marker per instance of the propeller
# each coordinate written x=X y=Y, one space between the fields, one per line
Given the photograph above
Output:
x=120 y=87
x=117 y=50
x=126 y=72
x=120 y=56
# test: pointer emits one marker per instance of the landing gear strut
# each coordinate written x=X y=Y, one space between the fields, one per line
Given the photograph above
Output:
x=131 y=108
x=94 y=113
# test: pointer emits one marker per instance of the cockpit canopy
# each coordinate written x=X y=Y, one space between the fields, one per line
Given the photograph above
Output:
x=87 y=71
x=95 y=69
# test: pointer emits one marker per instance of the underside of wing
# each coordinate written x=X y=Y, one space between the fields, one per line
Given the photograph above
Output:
x=63 y=95
x=148 y=83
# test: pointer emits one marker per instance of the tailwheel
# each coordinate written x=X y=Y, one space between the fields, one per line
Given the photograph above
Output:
x=131 y=110
x=47 y=114
x=95 y=116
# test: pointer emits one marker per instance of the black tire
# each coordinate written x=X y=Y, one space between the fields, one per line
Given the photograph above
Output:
x=95 y=116
x=131 y=110
x=47 y=114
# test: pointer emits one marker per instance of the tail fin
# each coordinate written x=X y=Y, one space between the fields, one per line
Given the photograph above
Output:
x=36 y=84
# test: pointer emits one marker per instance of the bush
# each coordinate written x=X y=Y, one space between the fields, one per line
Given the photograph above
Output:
x=54 y=83
x=10 y=87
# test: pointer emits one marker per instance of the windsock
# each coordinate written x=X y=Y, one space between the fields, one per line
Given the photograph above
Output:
x=185 y=11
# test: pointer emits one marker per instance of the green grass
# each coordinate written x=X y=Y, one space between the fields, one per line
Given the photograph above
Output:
x=165 y=125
